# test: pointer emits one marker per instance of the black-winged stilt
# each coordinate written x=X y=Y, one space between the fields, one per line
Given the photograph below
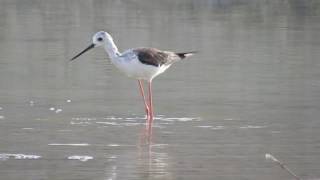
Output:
x=139 y=63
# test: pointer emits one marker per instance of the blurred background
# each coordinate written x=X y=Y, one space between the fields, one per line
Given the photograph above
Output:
x=253 y=88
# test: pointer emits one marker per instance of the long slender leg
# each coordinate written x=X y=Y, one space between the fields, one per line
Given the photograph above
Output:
x=150 y=106
x=144 y=100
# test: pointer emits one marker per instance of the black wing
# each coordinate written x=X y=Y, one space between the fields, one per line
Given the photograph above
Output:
x=152 y=56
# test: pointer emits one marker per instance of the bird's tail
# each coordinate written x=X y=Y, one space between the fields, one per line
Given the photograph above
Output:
x=186 y=54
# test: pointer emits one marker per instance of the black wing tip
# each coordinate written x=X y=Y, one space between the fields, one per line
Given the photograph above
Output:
x=186 y=54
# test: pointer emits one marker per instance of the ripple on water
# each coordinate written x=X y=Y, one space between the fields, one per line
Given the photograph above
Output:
x=218 y=127
x=31 y=103
x=182 y=119
x=211 y=127
x=64 y=130
x=83 y=119
x=231 y=119
x=80 y=158
x=204 y=126
x=112 y=118
x=130 y=120
x=159 y=145
x=132 y=124
x=27 y=128
x=223 y=127
x=112 y=157
x=6 y=156
x=108 y=123
x=133 y=118
x=113 y=145
x=69 y=144
x=252 y=127
x=80 y=123
x=127 y=121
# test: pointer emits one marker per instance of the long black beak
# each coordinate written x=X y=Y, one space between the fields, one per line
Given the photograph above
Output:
x=85 y=50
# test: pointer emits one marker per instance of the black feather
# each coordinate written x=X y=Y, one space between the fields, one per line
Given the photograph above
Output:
x=183 y=55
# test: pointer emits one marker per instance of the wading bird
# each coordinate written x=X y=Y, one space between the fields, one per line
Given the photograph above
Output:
x=139 y=63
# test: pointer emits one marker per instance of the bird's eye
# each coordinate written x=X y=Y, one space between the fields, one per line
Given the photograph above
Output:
x=99 y=39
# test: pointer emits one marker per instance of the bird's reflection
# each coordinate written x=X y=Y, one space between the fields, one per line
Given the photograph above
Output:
x=152 y=159
x=145 y=137
x=144 y=161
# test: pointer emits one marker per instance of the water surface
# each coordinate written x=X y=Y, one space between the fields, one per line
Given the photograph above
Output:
x=252 y=89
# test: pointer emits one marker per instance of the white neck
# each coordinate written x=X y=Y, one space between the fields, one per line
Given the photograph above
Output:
x=111 y=48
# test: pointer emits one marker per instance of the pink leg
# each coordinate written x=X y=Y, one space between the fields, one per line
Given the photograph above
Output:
x=144 y=101
x=151 y=107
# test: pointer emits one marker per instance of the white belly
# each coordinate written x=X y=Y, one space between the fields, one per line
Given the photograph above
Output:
x=135 y=69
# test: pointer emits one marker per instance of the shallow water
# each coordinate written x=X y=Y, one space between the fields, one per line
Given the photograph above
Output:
x=252 y=89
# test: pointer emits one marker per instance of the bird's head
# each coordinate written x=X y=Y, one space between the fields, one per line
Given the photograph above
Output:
x=99 y=39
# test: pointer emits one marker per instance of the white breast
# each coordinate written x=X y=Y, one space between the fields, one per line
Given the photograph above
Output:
x=129 y=64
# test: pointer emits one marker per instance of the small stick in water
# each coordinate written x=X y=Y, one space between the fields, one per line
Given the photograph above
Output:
x=282 y=165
